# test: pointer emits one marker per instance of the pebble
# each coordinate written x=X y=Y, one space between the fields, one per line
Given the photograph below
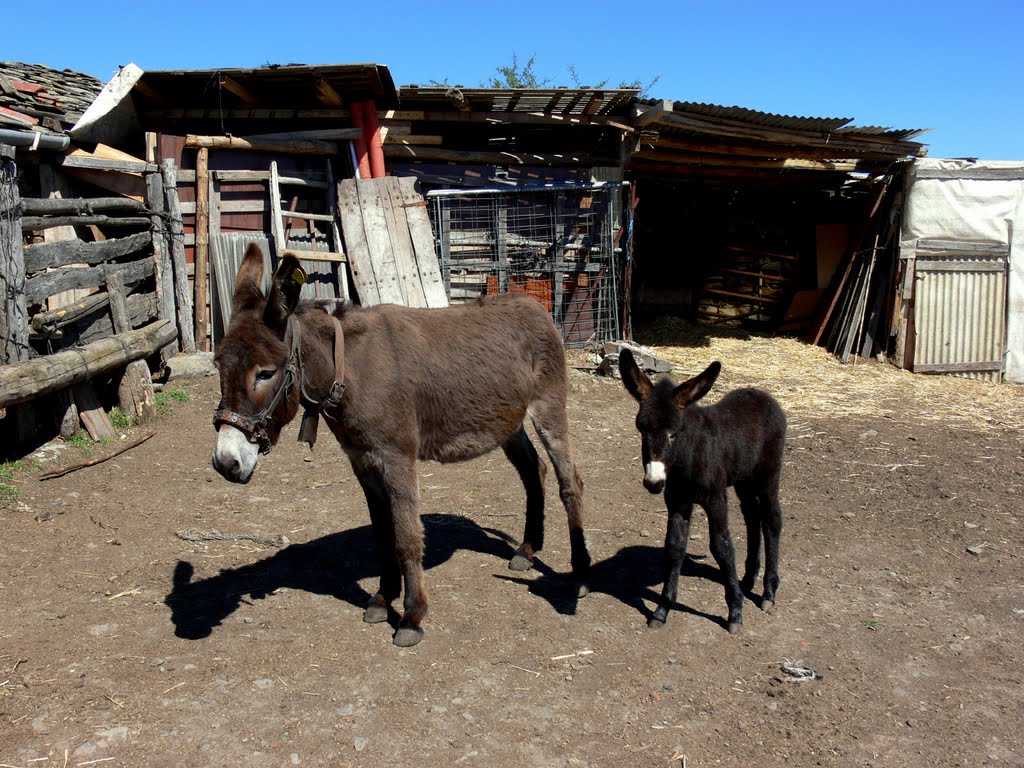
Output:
x=360 y=742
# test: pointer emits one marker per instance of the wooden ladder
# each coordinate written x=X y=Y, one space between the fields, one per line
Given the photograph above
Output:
x=279 y=215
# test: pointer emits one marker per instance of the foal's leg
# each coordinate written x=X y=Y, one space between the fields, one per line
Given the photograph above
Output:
x=552 y=424
x=772 y=524
x=531 y=469
x=379 y=504
x=677 y=535
x=725 y=555
x=403 y=490
x=750 y=506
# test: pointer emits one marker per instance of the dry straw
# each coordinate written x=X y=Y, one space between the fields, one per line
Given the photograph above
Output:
x=810 y=382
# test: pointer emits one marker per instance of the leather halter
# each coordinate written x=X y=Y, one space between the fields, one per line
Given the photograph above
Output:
x=255 y=427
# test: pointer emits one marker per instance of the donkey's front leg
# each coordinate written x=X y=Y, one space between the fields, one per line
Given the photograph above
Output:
x=403 y=490
x=379 y=503
x=676 y=537
x=725 y=555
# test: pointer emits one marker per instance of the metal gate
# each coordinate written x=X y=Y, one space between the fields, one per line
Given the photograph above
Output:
x=556 y=244
x=960 y=308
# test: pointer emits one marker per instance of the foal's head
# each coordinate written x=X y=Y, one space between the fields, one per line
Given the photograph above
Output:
x=258 y=387
x=662 y=413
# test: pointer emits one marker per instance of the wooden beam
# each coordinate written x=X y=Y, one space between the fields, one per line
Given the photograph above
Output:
x=135 y=389
x=31 y=206
x=45 y=222
x=65 y=252
x=202 y=245
x=26 y=380
x=408 y=152
x=295 y=147
x=235 y=87
x=325 y=92
x=101 y=164
x=14 y=307
x=46 y=284
x=186 y=331
x=652 y=114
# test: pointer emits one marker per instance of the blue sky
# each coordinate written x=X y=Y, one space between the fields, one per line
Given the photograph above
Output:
x=955 y=67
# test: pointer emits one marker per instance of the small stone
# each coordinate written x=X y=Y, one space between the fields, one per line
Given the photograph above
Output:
x=360 y=742
x=263 y=682
x=644 y=533
x=669 y=687
x=295 y=758
x=345 y=710
x=970 y=525
x=976 y=551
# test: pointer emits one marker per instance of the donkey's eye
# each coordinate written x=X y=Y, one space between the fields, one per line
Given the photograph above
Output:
x=671 y=438
x=265 y=374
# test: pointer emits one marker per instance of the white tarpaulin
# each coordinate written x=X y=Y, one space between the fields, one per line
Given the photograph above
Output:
x=976 y=202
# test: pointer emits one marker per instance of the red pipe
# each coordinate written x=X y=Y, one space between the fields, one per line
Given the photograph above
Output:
x=371 y=128
x=362 y=156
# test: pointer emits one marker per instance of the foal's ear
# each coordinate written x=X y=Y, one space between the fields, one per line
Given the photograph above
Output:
x=636 y=381
x=249 y=282
x=284 y=292
x=694 y=389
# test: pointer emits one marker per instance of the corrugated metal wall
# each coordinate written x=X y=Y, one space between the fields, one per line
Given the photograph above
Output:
x=960 y=309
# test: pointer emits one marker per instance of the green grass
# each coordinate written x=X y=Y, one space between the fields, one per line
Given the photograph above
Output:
x=165 y=398
x=81 y=441
x=119 y=419
x=8 y=493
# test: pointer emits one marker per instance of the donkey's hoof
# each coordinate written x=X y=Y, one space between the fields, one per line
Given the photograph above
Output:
x=655 y=623
x=582 y=589
x=408 y=636
x=734 y=627
x=375 y=614
x=520 y=563
x=767 y=606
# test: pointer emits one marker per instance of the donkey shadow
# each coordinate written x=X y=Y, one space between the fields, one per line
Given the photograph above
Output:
x=630 y=576
x=332 y=565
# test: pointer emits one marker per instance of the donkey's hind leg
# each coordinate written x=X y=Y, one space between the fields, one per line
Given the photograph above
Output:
x=753 y=514
x=552 y=424
x=772 y=525
x=532 y=470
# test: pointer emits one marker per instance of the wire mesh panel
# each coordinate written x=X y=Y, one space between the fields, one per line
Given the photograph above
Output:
x=556 y=244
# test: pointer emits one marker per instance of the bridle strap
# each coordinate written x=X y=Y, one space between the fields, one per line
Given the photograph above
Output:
x=255 y=427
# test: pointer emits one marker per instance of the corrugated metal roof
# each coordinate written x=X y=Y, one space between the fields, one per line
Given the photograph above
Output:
x=755 y=117
x=566 y=102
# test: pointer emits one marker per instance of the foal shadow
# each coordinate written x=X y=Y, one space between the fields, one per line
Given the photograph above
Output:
x=332 y=565
x=633 y=575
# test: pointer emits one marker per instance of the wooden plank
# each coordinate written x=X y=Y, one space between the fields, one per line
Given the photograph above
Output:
x=422 y=237
x=232 y=85
x=90 y=411
x=14 y=307
x=163 y=269
x=202 y=247
x=58 y=206
x=979 y=366
x=142 y=308
x=48 y=283
x=332 y=204
x=568 y=158
x=378 y=240
x=135 y=389
x=100 y=164
x=306 y=255
x=23 y=381
x=130 y=185
x=29 y=223
x=183 y=302
x=230 y=206
x=401 y=244
x=926 y=265
x=293 y=147
x=321 y=134
x=307 y=216
x=278 y=240
x=355 y=243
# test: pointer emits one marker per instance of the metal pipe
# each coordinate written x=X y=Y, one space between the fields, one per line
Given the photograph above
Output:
x=34 y=139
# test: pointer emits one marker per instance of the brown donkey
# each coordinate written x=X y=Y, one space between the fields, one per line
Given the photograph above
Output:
x=395 y=385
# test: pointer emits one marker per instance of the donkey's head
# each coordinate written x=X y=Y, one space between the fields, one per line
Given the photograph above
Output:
x=257 y=360
x=662 y=413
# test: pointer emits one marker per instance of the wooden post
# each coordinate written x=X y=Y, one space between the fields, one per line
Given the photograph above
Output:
x=163 y=270
x=202 y=246
x=14 y=309
x=176 y=232
x=135 y=390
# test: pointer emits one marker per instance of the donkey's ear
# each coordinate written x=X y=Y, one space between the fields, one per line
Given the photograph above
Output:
x=694 y=389
x=249 y=282
x=636 y=381
x=284 y=292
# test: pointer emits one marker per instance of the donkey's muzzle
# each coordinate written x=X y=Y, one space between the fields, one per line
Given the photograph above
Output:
x=654 y=486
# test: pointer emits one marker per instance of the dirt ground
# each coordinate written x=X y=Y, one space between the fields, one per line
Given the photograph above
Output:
x=124 y=643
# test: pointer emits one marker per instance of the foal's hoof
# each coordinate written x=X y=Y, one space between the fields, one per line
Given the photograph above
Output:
x=767 y=605
x=408 y=636
x=655 y=623
x=520 y=563
x=375 y=614
x=582 y=590
x=734 y=627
